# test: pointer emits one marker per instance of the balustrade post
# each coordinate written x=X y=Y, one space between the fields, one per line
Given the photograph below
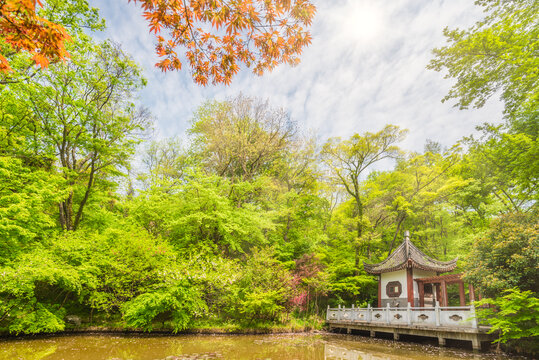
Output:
x=388 y=320
x=353 y=314
x=437 y=313
x=472 y=313
x=327 y=313
x=409 y=314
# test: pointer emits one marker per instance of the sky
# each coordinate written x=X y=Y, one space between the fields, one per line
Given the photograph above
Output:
x=364 y=69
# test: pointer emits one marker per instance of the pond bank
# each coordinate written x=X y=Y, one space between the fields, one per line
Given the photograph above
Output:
x=229 y=330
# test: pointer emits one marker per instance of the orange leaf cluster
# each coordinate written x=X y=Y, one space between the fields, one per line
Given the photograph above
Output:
x=24 y=30
x=216 y=36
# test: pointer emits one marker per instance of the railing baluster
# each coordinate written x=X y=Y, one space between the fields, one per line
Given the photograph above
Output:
x=472 y=314
x=437 y=313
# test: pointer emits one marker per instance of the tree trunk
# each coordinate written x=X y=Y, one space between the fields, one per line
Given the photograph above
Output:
x=86 y=195
x=66 y=213
x=396 y=233
x=359 y=233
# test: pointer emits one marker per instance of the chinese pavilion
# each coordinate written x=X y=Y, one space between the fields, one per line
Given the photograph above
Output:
x=410 y=276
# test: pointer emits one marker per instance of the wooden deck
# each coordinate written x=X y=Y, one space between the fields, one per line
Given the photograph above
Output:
x=457 y=323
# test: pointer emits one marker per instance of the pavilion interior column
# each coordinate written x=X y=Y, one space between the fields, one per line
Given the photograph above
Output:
x=410 y=285
x=421 y=289
x=462 y=295
x=472 y=293
x=444 y=294
x=380 y=291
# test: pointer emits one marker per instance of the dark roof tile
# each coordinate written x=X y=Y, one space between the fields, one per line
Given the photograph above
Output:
x=408 y=255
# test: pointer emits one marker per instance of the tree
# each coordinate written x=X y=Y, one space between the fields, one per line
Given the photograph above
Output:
x=27 y=195
x=85 y=117
x=265 y=287
x=201 y=214
x=349 y=159
x=216 y=36
x=165 y=163
x=498 y=54
x=513 y=316
x=302 y=211
x=507 y=256
x=240 y=138
x=422 y=186
x=346 y=283
x=507 y=167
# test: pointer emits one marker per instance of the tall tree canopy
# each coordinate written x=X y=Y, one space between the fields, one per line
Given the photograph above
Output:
x=498 y=54
x=348 y=160
x=81 y=114
x=239 y=138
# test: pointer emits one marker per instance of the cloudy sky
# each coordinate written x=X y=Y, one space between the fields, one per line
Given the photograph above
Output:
x=364 y=69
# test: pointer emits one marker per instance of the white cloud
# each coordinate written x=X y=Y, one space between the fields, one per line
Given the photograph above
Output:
x=364 y=69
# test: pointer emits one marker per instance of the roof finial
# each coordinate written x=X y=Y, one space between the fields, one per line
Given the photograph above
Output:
x=407 y=243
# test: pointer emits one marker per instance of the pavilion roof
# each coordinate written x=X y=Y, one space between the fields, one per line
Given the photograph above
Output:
x=407 y=255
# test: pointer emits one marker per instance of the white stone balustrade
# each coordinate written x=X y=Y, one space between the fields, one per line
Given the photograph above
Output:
x=450 y=316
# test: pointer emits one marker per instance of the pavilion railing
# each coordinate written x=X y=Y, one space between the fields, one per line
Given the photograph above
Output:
x=447 y=316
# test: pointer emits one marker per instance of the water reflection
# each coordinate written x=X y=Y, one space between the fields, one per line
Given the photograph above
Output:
x=333 y=352
x=190 y=347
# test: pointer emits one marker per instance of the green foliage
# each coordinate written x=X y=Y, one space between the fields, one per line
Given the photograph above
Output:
x=264 y=287
x=27 y=196
x=76 y=15
x=354 y=289
x=506 y=256
x=31 y=289
x=515 y=315
x=240 y=138
x=499 y=53
x=81 y=116
x=38 y=320
x=262 y=304
x=203 y=214
x=348 y=161
x=506 y=166
x=179 y=303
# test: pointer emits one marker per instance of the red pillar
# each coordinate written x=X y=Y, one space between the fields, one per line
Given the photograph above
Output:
x=410 y=285
x=444 y=294
x=472 y=292
x=462 y=295
x=421 y=290
x=380 y=290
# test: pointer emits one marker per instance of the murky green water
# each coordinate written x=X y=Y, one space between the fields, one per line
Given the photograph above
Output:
x=274 y=347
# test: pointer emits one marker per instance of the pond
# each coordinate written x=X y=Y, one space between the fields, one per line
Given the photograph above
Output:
x=237 y=347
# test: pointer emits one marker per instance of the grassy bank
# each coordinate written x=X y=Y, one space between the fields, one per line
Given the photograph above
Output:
x=199 y=326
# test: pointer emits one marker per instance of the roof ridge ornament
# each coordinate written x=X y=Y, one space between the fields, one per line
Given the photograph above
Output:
x=407 y=242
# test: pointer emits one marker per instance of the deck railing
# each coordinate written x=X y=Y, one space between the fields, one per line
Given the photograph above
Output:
x=447 y=316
